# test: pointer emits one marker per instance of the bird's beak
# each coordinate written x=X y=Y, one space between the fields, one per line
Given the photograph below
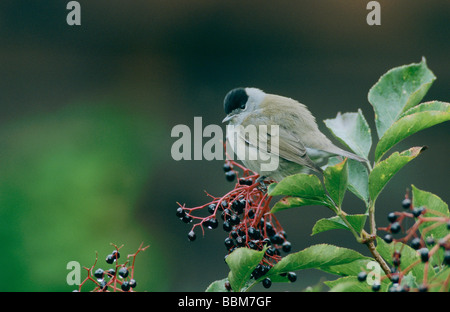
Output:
x=229 y=117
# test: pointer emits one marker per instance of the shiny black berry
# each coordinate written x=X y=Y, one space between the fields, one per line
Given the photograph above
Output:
x=212 y=223
x=447 y=257
x=267 y=282
x=123 y=272
x=99 y=273
x=392 y=217
x=406 y=203
x=115 y=254
x=125 y=286
x=253 y=233
x=227 y=226
x=228 y=243
x=415 y=243
x=109 y=259
x=211 y=208
x=286 y=246
x=395 y=227
x=180 y=212
x=227 y=167
x=292 y=277
x=192 y=236
x=362 y=276
x=230 y=175
x=417 y=211
x=422 y=288
x=388 y=238
x=424 y=254
x=376 y=286
x=132 y=283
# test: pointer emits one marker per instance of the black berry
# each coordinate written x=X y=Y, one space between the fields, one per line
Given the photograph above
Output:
x=115 y=254
x=430 y=241
x=227 y=167
x=253 y=233
x=395 y=227
x=376 y=287
x=211 y=208
x=212 y=223
x=406 y=203
x=422 y=288
x=132 y=283
x=186 y=219
x=388 y=238
x=111 y=272
x=103 y=285
x=362 y=276
x=267 y=282
x=235 y=220
x=395 y=278
x=292 y=277
x=229 y=243
x=447 y=257
x=230 y=175
x=109 y=259
x=415 y=243
x=392 y=217
x=125 y=286
x=424 y=254
x=286 y=246
x=123 y=272
x=417 y=211
x=99 y=273
x=192 y=236
x=180 y=212
x=227 y=226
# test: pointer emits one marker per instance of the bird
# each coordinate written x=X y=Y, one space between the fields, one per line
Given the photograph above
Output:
x=266 y=129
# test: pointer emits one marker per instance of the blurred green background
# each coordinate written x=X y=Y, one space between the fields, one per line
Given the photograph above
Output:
x=86 y=114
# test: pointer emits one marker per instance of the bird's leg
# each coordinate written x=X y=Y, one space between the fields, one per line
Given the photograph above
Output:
x=262 y=186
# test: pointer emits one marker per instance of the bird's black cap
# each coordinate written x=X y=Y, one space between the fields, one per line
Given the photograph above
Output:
x=236 y=98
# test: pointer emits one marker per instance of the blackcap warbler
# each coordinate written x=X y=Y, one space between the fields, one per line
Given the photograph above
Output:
x=276 y=136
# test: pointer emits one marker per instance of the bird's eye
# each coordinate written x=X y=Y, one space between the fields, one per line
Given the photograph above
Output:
x=236 y=98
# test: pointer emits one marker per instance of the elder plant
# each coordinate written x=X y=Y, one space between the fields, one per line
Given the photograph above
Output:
x=410 y=258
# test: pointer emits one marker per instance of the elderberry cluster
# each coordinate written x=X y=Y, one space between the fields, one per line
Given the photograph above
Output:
x=119 y=277
x=244 y=214
x=425 y=244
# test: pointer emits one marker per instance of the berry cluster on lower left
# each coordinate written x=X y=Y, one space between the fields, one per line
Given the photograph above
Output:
x=120 y=277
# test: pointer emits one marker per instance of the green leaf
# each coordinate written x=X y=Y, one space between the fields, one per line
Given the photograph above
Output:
x=351 y=284
x=397 y=91
x=427 y=107
x=293 y=202
x=356 y=221
x=307 y=187
x=352 y=130
x=347 y=284
x=335 y=179
x=358 y=178
x=322 y=256
x=439 y=281
x=217 y=286
x=386 y=169
x=348 y=269
x=436 y=207
x=416 y=119
x=242 y=262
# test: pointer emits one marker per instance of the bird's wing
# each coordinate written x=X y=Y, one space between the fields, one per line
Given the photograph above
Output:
x=275 y=140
